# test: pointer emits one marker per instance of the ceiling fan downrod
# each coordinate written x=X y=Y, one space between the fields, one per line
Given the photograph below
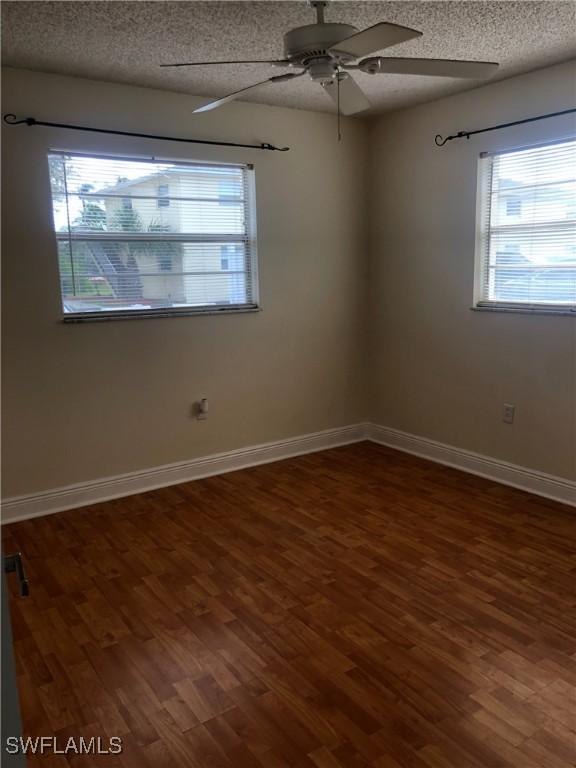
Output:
x=319 y=5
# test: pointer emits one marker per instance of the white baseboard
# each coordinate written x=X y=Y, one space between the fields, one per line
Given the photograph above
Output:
x=530 y=480
x=92 y=492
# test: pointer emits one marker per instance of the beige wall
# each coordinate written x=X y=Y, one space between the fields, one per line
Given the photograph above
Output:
x=88 y=400
x=440 y=370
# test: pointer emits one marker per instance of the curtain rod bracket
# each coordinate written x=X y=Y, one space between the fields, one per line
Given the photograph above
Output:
x=439 y=141
x=11 y=119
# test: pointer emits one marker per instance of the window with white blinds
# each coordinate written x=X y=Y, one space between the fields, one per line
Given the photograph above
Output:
x=526 y=249
x=148 y=237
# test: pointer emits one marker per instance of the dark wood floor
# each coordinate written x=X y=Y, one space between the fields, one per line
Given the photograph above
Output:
x=352 y=608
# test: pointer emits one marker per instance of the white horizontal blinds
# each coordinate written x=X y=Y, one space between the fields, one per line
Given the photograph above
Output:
x=135 y=235
x=528 y=226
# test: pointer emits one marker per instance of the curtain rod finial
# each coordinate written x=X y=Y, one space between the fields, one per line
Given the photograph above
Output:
x=11 y=119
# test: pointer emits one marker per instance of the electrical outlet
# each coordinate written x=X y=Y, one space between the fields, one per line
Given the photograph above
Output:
x=509 y=412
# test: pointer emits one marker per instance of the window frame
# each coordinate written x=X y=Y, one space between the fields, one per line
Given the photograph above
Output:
x=483 y=190
x=252 y=274
x=163 y=198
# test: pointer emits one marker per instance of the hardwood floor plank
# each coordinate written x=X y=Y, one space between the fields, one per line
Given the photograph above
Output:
x=355 y=608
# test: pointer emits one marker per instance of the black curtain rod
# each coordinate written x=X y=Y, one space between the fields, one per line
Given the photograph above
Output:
x=439 y=141
x=11 y=119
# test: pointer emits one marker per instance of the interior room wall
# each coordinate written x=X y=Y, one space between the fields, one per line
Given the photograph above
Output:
x=85 y=401
x=89 y=400
x=438 y=369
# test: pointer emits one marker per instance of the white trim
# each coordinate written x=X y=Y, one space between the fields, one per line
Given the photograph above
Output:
x=526 y=309
x=536 y=145
x=94 y=491
x=529 y=480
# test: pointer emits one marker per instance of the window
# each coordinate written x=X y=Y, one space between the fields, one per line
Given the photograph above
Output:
x=120 y=260
x=526 y=246
x=163 y=199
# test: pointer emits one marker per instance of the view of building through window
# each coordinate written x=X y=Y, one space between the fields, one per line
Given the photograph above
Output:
x=139 y=236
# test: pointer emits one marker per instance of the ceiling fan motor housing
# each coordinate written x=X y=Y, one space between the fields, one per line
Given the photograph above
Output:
x=313 y=41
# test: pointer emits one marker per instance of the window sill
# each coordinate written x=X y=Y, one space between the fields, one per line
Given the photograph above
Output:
x=526 y=310
x=90 y=317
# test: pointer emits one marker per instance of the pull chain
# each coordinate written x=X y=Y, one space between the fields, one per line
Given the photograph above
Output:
x=338 y=104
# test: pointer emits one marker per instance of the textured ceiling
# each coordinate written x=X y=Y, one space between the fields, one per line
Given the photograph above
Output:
x=125 y=41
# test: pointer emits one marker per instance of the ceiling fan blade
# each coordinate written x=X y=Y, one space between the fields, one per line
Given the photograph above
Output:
x=430 y=67
x=235 y=94
x=374 y=39
x=352 y=99
x=209 y=63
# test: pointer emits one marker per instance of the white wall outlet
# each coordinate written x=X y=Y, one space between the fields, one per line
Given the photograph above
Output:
x=202 y=409
x=509 y=412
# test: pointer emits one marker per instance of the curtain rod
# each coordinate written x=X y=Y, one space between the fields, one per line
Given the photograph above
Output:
x=439 y=141
x=11 y=119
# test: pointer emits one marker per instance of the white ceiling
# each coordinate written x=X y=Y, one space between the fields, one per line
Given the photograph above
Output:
x=125 y=41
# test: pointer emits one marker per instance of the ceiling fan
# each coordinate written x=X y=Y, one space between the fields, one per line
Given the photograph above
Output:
x=328 y=52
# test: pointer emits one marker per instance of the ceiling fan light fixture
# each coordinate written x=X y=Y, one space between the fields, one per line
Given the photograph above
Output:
x=322 y=70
